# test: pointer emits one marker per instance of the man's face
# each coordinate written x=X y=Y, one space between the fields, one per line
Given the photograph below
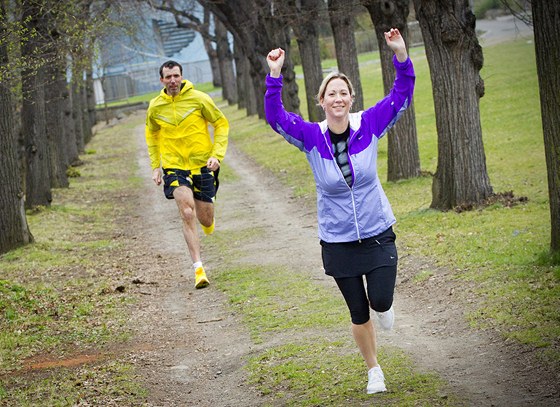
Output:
x=172 y=79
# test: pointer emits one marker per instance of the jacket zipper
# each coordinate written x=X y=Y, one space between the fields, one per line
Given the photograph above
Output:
x=351 y=188
x=174 y=110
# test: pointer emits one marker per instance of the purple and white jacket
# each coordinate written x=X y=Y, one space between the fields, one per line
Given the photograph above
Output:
x=344 y=213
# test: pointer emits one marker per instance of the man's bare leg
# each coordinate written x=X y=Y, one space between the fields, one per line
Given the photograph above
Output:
x=204 y=212
x=186 y=205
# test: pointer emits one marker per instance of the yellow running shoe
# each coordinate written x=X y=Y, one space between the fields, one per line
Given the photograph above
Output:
x=208 y=230
x=200 y=279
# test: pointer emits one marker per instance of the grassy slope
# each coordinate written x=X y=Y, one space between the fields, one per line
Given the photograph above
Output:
x=58 y=297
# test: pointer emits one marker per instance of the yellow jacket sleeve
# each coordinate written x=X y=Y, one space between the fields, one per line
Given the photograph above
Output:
x=221 y=132
x=216 y=118
x=153 y=143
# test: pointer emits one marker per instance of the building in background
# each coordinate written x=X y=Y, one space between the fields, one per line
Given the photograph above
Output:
x=128 y=63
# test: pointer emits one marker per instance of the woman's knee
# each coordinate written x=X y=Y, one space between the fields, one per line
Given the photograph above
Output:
x=381 y=304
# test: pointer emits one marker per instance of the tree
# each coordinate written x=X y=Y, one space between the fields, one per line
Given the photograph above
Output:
x=225 y=61
x=342 y=18
x=403 y=157
x=210 y=51
x=55 y=76
x=455 y=59
x=257 y=29
x=302 y=17
x=546 y=15
x=37 y=185
x=14 y=230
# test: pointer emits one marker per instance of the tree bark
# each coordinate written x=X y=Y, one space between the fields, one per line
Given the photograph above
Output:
x=546 y=15
x=241 y=69
x=14 y=231
x=72 y=153
x=91 y=111
x=78 y=111
x=342 y=15
x=304 y=24
x=38 y=184
x=257 y=31
x=225 y=60
x=212 y=54
x=403 y=157
x=54 y=110
x=455 y=59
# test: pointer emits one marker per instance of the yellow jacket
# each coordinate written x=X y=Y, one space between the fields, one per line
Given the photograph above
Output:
x=177 y=132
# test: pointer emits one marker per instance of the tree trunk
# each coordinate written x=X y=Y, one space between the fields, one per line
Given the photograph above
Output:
x=403 y=157
x=304 y=23
x=257 y=31
x=72 y=153
x=90 y=101
x=14 y=231
x=38 y=184
x=277 y=31
x=241 y=69
x=225 y=58
x=455 y=59
x=78 y=111
x=341 y=14
x=212 y=54
x=252 y=99
x=546 y=15
x=54 y=110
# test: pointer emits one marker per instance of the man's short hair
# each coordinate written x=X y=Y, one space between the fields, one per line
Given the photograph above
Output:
x=170 y=65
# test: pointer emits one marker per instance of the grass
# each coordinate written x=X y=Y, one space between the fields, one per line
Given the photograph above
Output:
x=323 y=373
x=57 y=295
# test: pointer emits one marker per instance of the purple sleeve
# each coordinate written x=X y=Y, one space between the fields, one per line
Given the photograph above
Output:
x=381 y=117
x=288 y=125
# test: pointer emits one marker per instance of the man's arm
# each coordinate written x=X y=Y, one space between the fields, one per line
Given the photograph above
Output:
x=221 y=132
x=152 y=141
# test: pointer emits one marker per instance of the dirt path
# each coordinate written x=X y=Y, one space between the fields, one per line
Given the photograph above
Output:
x=191 y=349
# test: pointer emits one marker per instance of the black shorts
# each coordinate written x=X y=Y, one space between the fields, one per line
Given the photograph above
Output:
x=203 y=182
x=353 y=259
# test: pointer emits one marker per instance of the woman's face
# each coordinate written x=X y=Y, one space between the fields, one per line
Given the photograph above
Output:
x=337 y=100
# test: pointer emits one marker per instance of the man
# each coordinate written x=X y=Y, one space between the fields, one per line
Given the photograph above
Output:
x=184 y=156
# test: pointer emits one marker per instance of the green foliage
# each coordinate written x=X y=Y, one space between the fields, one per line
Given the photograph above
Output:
x=482 y=6
x=106 y=383
x=323 y=372
x=275 y=299
x=72 y=172
x=56 y=295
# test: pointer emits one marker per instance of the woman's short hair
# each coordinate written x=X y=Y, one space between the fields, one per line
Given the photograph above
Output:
x=330 y=77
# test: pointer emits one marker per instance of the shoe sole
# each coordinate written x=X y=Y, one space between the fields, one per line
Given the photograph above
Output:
x=202 y=284
x=377 y=391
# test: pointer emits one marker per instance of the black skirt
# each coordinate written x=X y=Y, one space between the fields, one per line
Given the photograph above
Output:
x=353 y=259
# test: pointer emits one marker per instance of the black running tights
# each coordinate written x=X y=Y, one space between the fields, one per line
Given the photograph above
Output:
x=380 y=286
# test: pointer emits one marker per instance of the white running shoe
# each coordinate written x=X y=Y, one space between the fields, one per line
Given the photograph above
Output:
x=386 y=319
x=376 y=380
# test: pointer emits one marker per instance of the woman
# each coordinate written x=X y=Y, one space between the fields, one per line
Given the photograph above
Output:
x=354 y=215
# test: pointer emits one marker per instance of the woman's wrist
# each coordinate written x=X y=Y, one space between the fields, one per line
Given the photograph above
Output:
x=401 y=55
